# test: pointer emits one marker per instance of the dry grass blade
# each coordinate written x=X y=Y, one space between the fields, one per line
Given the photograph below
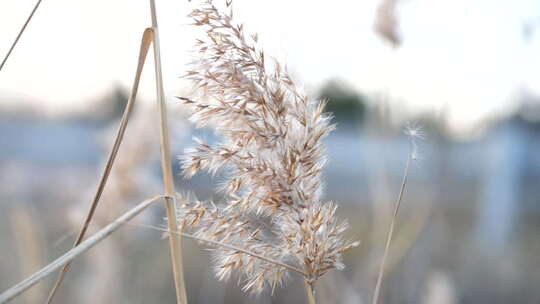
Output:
x=174 y=241
x=391 y=230
x=66 y=258
x=145 y=45
x=12 y=47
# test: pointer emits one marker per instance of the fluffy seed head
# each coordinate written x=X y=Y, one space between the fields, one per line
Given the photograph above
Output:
x=271 y=152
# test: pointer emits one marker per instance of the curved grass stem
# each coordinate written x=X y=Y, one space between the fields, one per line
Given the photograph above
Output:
x=145 y=45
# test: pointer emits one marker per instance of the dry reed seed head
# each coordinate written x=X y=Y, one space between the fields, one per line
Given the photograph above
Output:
x=317 y=243
x=209 y=222
x=415 y=132
x=271 y=152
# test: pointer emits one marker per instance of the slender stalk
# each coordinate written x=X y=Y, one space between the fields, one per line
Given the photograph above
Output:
x=19 y=34
x=145 y=45
x=67 y=257
x=391 y=230
x=309 y=292
x=228 y=246
x=174 y=241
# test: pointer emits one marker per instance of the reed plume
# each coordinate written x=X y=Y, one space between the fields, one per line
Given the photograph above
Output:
x=272 y=155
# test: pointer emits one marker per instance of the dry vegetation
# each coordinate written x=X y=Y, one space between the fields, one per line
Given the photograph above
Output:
x=272 y=155
x=273 y=219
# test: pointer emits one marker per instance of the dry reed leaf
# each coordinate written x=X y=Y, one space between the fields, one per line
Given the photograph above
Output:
x=145 y=45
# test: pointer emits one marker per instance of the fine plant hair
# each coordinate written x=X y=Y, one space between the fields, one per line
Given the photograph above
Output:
x=271 y=154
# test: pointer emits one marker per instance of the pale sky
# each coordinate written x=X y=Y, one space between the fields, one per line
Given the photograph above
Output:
x=468 y=57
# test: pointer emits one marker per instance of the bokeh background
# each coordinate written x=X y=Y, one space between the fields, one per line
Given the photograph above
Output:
x=468 y=72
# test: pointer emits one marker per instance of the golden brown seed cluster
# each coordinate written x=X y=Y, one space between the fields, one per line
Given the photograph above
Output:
x=271 y=153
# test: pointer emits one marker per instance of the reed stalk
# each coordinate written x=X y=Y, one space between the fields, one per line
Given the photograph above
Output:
x=309 y=292
x=174 y=242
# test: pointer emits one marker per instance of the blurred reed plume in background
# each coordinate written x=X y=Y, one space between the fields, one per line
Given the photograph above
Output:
x=386 y=22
